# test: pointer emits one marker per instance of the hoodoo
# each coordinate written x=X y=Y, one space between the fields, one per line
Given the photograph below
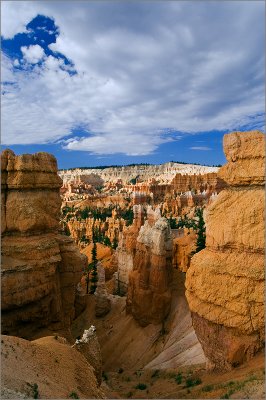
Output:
x=225 y=282
x=149 y=292
x=40 y=267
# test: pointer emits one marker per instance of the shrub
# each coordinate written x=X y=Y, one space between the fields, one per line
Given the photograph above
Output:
x=35 y=391
x=193 y=382
x=104 y=376
x=129 y=394
x=207 y=388
x=73 y=395
x=120 y=371
x=141 y=386
x=225 y=396
x=178 y=378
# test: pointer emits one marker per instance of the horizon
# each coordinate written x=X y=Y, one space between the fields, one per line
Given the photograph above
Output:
x=73 y=87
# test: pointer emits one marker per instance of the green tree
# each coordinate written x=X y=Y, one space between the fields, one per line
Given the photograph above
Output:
x=94 y=277
x=172 y=222
x=115 y=243
x=201 y=230
x=106 y=241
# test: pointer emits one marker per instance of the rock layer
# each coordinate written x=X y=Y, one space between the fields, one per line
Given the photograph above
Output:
x=149 y=293
x=225 y=282
x=40 y=267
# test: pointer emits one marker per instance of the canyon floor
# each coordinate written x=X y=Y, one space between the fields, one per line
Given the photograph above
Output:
x=153 y=363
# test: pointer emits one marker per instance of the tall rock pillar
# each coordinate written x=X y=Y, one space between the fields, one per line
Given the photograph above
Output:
x=225 y=282
x=40 y=267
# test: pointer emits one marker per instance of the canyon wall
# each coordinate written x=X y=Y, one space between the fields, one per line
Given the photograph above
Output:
x=149 y=291
x=40 y=267
x=163 y=172
x=201 y=182
x=225 y=281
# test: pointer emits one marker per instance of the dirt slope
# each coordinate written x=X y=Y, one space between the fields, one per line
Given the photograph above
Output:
x=127 y=345
x=47 y=367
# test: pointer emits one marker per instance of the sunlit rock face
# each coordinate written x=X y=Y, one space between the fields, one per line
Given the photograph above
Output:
x=126 y=250
x=149 y=287
x=40 y=267
x=225 y=282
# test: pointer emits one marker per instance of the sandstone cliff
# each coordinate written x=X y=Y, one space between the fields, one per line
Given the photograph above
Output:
x=149 y=292
x=210 y=182
x=40 y=267
x=163 y=172
x=225 y=282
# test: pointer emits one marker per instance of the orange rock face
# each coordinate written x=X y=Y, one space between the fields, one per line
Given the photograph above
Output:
x=125 y=252
x=40 y=267
x=182 y=249
x=149 y=293
x=225 y=282
x=209 y=182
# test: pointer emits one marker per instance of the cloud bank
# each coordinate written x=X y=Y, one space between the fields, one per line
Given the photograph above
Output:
x=143 y=74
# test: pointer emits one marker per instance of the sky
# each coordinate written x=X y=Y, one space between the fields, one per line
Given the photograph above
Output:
x=118 y=82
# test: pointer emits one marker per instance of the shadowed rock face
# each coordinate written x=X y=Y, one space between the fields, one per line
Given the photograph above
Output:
x=225 y=282
x=40 y=267
x=149 y=293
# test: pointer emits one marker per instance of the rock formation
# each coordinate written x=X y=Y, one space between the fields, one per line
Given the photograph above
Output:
x=40 y=267
x=164 y=173
x=89 y=346
x=125 y=251
x=103 y=302
x=183 y=247
x=209 y=182
x=225 y=282
x=149 y=292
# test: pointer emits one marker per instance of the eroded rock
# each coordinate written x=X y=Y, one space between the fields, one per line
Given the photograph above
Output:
x=149 y=291
x=225 y=282
x=40 y=267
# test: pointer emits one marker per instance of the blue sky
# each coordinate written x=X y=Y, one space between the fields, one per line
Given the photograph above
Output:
x=98 y=83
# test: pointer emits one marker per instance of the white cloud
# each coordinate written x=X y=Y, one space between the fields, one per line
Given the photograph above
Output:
x=32 y=54
x=142 y=72
x=203 y=148
x=15 y=16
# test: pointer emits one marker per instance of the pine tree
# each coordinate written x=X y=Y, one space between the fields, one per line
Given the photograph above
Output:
x=201 y=230
x=94 y=277
x=115 y=243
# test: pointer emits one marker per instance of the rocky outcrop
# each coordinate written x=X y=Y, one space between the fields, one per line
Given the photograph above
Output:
x=126 y=249
x=40 y=267
x=102 y=302
x=89 y=347
x=210 y=182
x=163 y=172
x=183 y=248
x=149 y=292
x=225 y=282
